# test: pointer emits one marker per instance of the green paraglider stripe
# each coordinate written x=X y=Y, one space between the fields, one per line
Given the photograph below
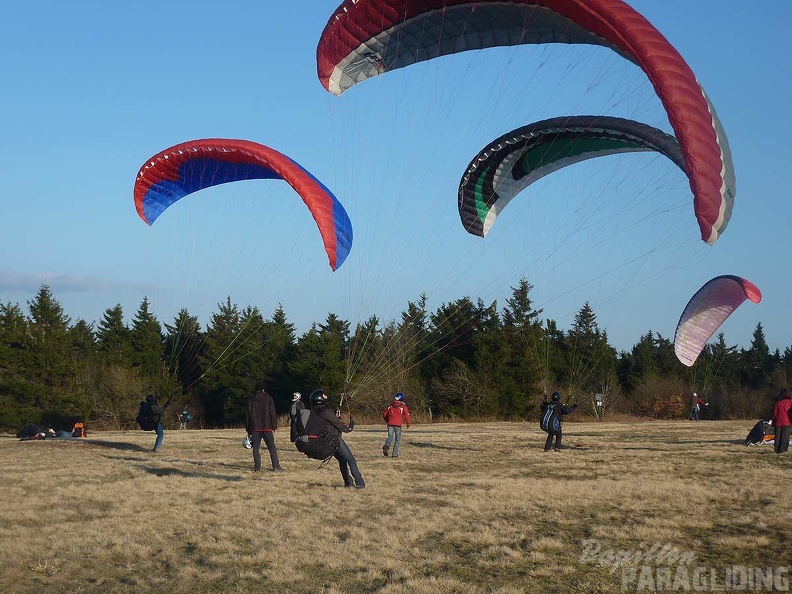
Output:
x=481 y=206
x=555 y=149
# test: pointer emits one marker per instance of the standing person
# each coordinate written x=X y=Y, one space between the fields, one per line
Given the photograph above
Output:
x=154 y=415
x=551 y=419
x=695 y=407
x=782 y=426
x=396 y=415
x=320 y=406
x=296 y=406
x=262 y=421
x=184 y=418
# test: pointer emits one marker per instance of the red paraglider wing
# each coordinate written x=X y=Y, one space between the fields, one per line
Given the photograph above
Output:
x=365 y=38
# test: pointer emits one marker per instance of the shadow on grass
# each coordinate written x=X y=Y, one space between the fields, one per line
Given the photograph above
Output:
x=119 y=445
x=434 y=446
x=182 y=473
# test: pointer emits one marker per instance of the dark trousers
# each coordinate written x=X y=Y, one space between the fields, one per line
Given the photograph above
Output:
x=269 y=440
x=549 y=440
x=347 y=464
x=781 y=436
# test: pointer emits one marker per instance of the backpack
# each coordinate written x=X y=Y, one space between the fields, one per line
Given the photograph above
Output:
x=549 y=420
x=146 y=418
x=78 y=430
x=310 y=437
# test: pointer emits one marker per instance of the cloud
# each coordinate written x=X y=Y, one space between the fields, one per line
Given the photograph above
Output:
x=12 y=281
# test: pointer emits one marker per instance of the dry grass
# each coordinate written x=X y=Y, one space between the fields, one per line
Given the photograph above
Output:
x=465 y=509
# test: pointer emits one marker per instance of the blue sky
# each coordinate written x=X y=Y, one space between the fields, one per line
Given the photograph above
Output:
x=93 y=89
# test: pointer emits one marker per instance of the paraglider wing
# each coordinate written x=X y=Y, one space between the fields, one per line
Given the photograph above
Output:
x=365 y=38
x=519 y=158
x=707 y=310
x=198 y=164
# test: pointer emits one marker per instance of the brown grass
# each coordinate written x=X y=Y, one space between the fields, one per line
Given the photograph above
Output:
x=465 y=509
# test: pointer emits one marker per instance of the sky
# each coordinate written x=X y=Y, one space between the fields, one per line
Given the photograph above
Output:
x=92 y=89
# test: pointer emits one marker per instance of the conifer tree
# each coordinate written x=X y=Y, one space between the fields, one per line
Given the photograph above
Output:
x=146 y=341
x=113 y=338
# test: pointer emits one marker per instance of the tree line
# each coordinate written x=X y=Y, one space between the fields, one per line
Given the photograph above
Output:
x=467 y=360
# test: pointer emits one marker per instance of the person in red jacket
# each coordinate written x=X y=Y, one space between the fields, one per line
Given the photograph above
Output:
x=782 y=427
x=262 y=421
x=396 y=415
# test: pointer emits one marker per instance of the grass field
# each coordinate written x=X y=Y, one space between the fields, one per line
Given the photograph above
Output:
x=468 y=508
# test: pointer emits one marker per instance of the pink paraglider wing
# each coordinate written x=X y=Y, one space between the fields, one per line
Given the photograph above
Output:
x=707 y=310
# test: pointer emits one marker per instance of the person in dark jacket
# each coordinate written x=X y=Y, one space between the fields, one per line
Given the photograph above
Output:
x=156 y=410
x=319 y=402
x=782 y=425
x=551 y=419
x=262 y=421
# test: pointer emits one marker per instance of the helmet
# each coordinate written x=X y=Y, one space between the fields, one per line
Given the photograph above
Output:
x=296 y=396
x=399 y=397
x=246 y=442
x=150 y=398
x=694 y=394
x=556 y=396
x=318 y=397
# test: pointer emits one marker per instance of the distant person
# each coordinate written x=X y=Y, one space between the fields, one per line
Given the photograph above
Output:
x=550 y=421
x=319 y=402
x=782 y=427
x=599 y=406
x=396 y=415
x=695 y=407
x=262 y=421
x=295 y=408
x=184 y=418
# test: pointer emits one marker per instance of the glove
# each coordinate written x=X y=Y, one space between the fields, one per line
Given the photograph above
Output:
x=351 y=424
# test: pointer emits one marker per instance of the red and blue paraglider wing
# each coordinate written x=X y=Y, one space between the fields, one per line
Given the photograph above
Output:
x=191 y=166
x=707 y=310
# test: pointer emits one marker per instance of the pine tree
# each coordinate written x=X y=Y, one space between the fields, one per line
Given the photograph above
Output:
x=183 y=344
x=526 y=359
x=52 y=372
x=279 y=346
x=146 y=341
x=113 y=338
x=224 y=387
x=17 y=401
x=591 y=359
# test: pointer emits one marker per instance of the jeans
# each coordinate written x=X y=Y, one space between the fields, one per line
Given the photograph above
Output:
x=160 y=435
x=347 y=464
x=269 y=440
x=394 y=437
